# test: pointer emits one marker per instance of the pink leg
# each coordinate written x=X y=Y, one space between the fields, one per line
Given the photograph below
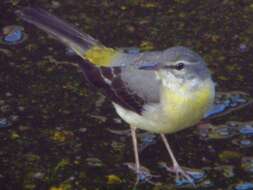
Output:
x=136 y=155
x=143 y=174
x=176 y=168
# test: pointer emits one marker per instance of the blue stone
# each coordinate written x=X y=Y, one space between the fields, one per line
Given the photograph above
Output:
x=3 y=123
x=195 y=175
x=14 y=36
x=245 y=186
x=247 y=130
x=216 y=109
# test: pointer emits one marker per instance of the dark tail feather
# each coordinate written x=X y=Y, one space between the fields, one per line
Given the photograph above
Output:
x=61 y=30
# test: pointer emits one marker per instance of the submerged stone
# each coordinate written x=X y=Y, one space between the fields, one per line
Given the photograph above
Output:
x=243 y=143
x=244 y=186
x=146 y=139
x=3 y=123
x=216 y=109
x=145 y=175
x=227 y=102
x=94 y=162
x=226 y=170
x=247 y=130
x=229 y=155
x=196 y=175
x=221 y=132
x=12 y=35
x=113 y=179
x=247 y=164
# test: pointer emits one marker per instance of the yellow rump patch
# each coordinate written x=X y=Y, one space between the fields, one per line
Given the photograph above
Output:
x=101 y=56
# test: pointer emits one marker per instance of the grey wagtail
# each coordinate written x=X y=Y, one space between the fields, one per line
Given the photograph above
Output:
x=159 y=91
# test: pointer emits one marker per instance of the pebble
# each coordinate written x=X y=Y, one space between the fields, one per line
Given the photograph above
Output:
x=12 y=35
x=3 y=123
x=244 y=186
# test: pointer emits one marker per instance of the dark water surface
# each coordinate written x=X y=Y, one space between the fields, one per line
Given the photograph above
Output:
x=57 y=134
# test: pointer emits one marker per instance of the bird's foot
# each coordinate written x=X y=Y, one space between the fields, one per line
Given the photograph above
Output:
x=184 y=177
x=143 y=175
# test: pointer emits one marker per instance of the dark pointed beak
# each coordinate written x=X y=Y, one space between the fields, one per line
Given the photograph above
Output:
x=150 y=66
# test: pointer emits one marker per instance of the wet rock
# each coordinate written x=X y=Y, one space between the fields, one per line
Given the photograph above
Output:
x=217 y=131
x=206 y=184
x=146 y=139
x=227 y=102
x=14 y=135
x=94 y=162
x=120 y=132
x=243 y=142
x=64 y=186
x=8 y=94
x=99 y=118
x=247 y=130
x=226 y=170
x=118 y=120
x=227 y=155
x=55 y=4
x=62 y=136
x=247 y=164
x=145 y=174
x=70 y=52
x=160 y=186
x=83 y=130
x=117 y=146
x=12 y=35
x=38 y=175
x=244 y=186
x=196 y=175
x=243 y=48
x=216 y=109
x=3 y=123
x=5 y=108
x=113 y=179
x=13 y=118
x=30 y=157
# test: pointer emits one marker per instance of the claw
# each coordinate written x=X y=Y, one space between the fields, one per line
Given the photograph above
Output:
x=184 y=177
x=143 y=175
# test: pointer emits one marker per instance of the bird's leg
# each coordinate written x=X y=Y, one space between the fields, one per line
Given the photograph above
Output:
x=143 y=174
x=136 y=154
x=176 y=168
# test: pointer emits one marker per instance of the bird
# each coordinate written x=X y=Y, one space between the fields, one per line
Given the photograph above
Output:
x=161 y=92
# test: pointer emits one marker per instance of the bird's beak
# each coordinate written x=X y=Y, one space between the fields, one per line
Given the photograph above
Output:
x=156 y=66
x=150 y=66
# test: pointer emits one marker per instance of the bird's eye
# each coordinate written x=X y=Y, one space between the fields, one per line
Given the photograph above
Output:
x=179 y=66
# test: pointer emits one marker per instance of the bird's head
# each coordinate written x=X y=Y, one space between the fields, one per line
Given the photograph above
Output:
x=179 y=66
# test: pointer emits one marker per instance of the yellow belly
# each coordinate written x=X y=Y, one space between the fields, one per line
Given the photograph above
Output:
x=185 y=108
x=176 y=111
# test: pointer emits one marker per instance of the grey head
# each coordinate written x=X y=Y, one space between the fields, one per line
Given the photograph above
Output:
x=178 y=66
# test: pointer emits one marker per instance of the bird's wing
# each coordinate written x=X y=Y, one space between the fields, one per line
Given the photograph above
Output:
x=113 y=84
x=106 y=68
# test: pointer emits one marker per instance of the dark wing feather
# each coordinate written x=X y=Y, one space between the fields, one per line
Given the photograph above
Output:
x=108 y=80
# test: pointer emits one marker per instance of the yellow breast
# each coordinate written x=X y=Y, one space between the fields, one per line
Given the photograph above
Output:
x=185 y=107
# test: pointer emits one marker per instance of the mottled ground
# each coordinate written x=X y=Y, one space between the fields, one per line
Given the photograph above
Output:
x=57 y=134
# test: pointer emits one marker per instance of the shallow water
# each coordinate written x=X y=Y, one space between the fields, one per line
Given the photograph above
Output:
x=56 y=133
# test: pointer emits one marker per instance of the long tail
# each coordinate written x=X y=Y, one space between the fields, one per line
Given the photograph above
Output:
x=66 y=33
